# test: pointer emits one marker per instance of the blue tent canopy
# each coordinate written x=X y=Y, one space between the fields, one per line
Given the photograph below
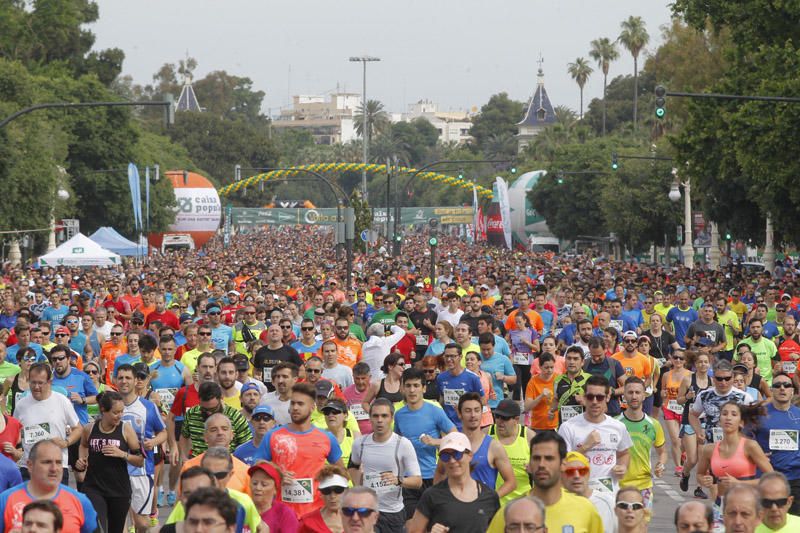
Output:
x=109 y=239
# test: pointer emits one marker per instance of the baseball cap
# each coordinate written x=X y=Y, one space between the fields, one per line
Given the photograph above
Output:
x=263 y=409
x=740 y=368
x=213 y=307
x=184 y=317
x=268 y=469
x=507 y=408
x=324 y=388
x=249 y=386
x=137 y=315
x=334 y=481
x=241 y=362
x=62 y=330
x=141 y=370
x=630 y=335
x=334 y=404
x=237 y=293
x=455 y=441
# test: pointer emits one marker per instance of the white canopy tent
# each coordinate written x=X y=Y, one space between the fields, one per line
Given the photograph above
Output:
x=80 y=250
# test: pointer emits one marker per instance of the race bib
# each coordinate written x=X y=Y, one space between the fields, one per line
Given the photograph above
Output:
x=716 y=434
x=266 y=374
x=602 y=484
x=674 y=406
x=167 y=397
x=358 y=412
x=422 y=340
x=570 y=411
x=520 y=358
x=301 y=491
x=451 y=396
x=33 y=434
x=784 y=440
x=373 y=480
x=790 y=367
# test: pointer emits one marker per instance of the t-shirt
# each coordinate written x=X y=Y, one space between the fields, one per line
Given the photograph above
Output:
x=385 y=318
x=612 y=371
x=427 y=420
x=681 y=319
x=342 y=375
x=246 y=453
x=614 y=438
x=539 y=418
x=710 y=402
x=354 y=401
x=167 y=383
x=10 y=433
x=706 y=334
x=638 y=365
x=306 y=351
x=81 y=383
x=645 y=434
x=792 y=524
x=222 y=337
x=451 y=388
x=497 y=363
x=623 y=323
x=349 y=351
x=304 y=454
x=396 y=455
x=280 y=407
x=9 y=473
x=440 y=506
x=77 y=510
x=146 y=421
x=570 y=514
x=764 y=351
x=44 y=419
x=778 y=434
x=266 y=358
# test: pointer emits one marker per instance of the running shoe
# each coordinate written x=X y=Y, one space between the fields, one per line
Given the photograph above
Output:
x=171 y=498
x=678 y=471
x=161 y=496
x=698 y=493
x=684 y=483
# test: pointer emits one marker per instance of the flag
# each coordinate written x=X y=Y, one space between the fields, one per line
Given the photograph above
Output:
x=136 y=195
x=505 y=209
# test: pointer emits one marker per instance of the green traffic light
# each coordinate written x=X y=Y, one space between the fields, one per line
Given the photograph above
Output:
x=513 y=170
x=433 y=241
x=614 y=166
x=660 y=112
x=560 y=181
x=398 y=238
x=727 y=236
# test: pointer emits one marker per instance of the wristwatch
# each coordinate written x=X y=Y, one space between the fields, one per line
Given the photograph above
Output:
x=399 y=481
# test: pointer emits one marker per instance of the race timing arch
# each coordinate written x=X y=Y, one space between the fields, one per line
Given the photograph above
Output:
x=322 y=168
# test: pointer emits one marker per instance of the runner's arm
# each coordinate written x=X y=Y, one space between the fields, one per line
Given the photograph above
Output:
x=504 y=468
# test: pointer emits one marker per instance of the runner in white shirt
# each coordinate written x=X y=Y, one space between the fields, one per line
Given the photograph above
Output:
x=603 y=440
x=284 y=376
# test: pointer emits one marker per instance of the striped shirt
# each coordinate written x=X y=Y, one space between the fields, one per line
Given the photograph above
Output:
x=194 y=427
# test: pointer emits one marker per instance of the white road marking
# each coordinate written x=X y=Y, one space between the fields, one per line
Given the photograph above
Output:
x=669 y=490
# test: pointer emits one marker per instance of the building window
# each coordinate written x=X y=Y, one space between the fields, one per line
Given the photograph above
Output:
x=541 y=114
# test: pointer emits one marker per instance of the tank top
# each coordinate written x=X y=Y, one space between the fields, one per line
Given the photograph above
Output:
x=696 y=388
x=346 y=445
x=393 y=397
x=519 y=454
x=14 y=395
x=94 y=341
x=739 y=466
x=107 y=475
x=756 y=381
x=673 y=386
x=481 y=470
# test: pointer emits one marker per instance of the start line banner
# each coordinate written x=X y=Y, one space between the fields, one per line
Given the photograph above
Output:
x=326 y=216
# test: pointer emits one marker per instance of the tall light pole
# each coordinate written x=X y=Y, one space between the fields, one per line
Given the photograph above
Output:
x=675 y=195
x=364 y=125
x=63 y=195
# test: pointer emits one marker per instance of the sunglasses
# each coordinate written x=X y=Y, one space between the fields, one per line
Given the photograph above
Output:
x=62 y=335
x=595 y=397
x=250 y=313
x=332 y=411
x=262 y=418
x=338 y=490
x=205 y=333
x=630 y=506
x=504 y=418
x=72 y=322
x=573 y=471
x=286 y=327
x=629 y=341
x=678 y=358
x=220 y=475
x=767 y=503
x=782 y=385
x=116 y=333
x=307 y=328
x=213 y=313
x=430 y=370
x=62 y=358
x=363 y=512
x=29 y=358
x=721 y=378
x=446 y=457
x=92 y=372
x=314 y=370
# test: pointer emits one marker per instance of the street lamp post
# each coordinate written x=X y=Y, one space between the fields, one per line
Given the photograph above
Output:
x=62 y=195
x=769 y=247
x=364 y=125
x=675 y=195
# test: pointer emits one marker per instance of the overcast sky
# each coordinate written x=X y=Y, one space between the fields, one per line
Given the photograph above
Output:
x=454 y=52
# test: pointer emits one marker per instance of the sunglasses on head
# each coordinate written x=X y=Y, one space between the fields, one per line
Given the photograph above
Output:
x=363 y=512
x=767 y=503
x=447 y=456
x=573 y=471
x=338 y=490
x=630 y=506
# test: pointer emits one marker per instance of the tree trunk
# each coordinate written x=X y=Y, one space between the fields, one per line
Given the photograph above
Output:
x=635 y=91
x=605 y=80
x=581 y=102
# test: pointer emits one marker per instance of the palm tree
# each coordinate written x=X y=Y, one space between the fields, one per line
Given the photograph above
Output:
x=604 y=52
x=634 y=37
x=377 y=119
x=565 y=116
x=580 y=71
x=500 y=145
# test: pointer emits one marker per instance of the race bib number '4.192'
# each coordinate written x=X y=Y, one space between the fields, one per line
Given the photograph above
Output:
x=374 y=481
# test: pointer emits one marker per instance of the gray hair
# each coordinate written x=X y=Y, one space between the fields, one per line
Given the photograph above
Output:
x=775 y=476
x=536 y=501
x=211 y=418
x=375 y=330
x=218 y=452
x=750 y=490
x=723 y=365
x=360 y=489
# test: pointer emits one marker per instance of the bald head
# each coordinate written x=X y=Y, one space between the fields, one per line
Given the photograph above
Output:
x=218 y=431
x=693 y=516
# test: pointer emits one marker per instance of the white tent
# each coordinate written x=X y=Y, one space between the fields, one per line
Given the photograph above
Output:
x=80 y=250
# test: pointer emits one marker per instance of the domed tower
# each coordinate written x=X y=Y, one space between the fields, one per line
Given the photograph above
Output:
x=539 y=113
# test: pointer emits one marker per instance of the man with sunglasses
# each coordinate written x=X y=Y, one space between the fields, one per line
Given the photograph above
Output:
x=112 y=348
x=307 y=345
x=77 y=339
x=778 y=434
x=251 y=322
x=515 y=439
x=221 y=335
x=360 y=510
x=602 y=439
x=262 y=421
x=575 y=476
x=204 y=345
x=386 y=463
x=776 y=503
x=708 y=402
x=564 y=511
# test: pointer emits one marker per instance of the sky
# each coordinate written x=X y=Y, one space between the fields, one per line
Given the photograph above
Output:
x=456 y=53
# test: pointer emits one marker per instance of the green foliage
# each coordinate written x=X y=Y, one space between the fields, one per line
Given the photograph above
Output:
x=377 y=118
x=498 y=116
x=363 y=215
x=619 y=104
x=228 y=96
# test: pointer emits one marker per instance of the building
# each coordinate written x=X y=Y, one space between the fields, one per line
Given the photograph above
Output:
x=187 y=101
x=539 y=113
x=453 y=126
x=330 y=120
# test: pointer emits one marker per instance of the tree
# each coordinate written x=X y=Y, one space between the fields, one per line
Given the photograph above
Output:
x=498 y=116
x=580 y=72
x=228 y=96
x=604 y=52
x=634 y=38
x=377 y=119
x=618 y=105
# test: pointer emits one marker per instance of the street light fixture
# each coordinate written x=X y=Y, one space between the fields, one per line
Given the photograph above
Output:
x=674 y=195
x=364 y=125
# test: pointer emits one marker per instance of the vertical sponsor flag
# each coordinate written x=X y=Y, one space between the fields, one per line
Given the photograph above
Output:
x=136 y=195
x=476 y=214
x=147 y=196
x=505 y=209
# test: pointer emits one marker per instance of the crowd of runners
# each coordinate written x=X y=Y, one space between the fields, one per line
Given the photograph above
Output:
x=249 y=388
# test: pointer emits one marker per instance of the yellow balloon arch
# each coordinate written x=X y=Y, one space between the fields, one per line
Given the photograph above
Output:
x=451 y=181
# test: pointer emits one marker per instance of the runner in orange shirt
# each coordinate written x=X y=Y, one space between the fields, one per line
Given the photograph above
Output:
x=111 y=350
x=524 y=307
x=348 y=346
x=634 y=363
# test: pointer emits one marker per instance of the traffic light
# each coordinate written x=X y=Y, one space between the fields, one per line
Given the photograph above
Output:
x=461 y=174
x=614 y=162
x=661 y=101
x=560 y=180
x=398 y=238
x=728 y=236
x=433 y=241
x=513 y=170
